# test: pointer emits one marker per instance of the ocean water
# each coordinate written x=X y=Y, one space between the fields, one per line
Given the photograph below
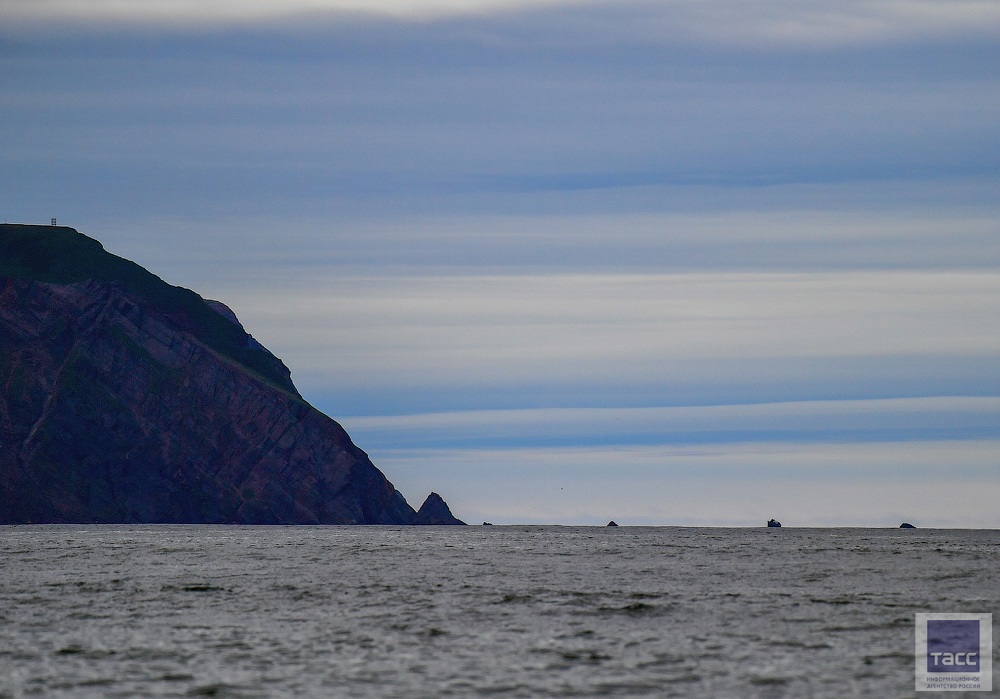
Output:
x=512 y=611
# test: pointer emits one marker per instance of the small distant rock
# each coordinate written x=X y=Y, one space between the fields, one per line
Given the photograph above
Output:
x=906 y=525
x=773 y=523
x=435 y=511
x=487 y=524
x=612 y=523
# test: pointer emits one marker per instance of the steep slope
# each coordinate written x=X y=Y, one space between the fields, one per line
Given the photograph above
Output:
x=127 y=400
x=61 y=255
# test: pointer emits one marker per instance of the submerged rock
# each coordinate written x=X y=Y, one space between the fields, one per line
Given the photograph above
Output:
x=435 y=511
x=773 y=523
x=906 y=525
x=126 y=400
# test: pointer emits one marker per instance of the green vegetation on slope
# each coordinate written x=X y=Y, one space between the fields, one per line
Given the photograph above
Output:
x=62 y=255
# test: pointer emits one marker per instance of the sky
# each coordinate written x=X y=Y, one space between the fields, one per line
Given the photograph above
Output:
x=687 y=262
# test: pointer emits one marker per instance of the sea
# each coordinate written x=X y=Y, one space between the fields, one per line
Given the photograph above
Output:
x=501 y=611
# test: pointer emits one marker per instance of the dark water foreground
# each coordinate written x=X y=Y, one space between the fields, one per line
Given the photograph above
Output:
x=149 y=611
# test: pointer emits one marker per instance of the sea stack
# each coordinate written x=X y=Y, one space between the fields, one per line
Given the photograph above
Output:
x=435 y=511
x=127 y=400
x=772 y=523
x=612 y=523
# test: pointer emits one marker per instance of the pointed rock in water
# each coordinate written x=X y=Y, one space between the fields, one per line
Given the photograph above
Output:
x=127 y=400
x=612 y=523
x=906 y=525
x=773 y=523
x=435 y=511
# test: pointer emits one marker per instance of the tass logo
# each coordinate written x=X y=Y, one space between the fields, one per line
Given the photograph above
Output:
x=954 y=652
x=953 y=645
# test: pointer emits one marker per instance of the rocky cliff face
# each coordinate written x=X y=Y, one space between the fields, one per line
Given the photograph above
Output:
x=118 y=406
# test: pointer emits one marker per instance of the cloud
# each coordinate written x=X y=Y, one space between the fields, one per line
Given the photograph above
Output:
x=425 y=207
x=899 y=419
x=306 y=119
x=250 y=10
x=619 y=329
x=911 y=227
x=739 y=22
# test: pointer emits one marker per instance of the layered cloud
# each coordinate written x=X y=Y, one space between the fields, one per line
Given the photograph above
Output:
x=870 y=421
x=782 y=22
x=631 y=340
x=299 y=114
x=509 y=239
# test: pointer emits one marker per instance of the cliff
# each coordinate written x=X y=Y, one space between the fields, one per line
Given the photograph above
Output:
x=125 y=399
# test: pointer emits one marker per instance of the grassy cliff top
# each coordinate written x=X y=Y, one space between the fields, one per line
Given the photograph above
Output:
x=62 y=255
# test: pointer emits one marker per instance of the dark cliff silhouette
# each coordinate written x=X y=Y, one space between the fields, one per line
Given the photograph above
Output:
x=125 y=399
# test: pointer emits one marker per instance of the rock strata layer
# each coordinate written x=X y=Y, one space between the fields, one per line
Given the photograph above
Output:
x=124 y=400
